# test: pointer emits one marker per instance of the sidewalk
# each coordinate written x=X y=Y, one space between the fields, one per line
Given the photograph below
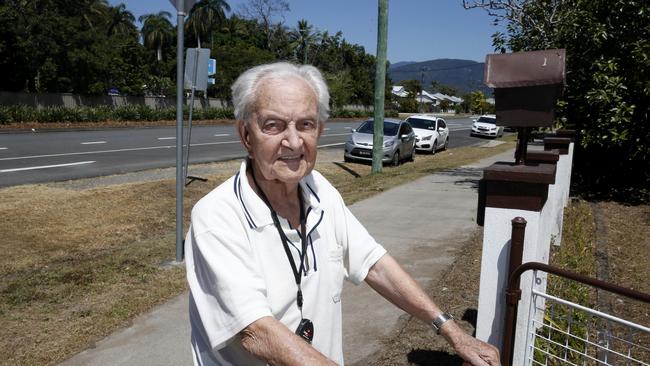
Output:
x=430 y=220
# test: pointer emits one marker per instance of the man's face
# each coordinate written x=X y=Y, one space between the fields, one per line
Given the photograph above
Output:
x=283 y=130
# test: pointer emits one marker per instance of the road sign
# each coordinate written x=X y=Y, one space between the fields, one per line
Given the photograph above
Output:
x=212 y=67
x=188 y=5
x=196 y=68
x=211 y=81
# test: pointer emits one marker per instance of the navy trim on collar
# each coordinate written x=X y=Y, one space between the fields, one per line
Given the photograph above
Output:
x=237 y=188
x=313 y=192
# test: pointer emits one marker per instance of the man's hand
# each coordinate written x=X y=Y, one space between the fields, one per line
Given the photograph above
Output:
x=473 y=351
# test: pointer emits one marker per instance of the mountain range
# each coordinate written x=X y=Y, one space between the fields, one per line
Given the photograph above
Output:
x=463 y=75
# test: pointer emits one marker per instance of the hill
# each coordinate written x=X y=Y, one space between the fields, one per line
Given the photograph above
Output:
x=464 y=75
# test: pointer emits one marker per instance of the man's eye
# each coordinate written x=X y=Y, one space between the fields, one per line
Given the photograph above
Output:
x=273 y=127
x=307 y=125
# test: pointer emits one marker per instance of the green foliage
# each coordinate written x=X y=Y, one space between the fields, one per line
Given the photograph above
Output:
x=89 y=47
x=350 y=113
x=607 y=94
x=22 y=114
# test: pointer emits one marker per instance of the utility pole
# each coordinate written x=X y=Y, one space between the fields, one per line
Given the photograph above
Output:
x=380 y=86
x=180 y=177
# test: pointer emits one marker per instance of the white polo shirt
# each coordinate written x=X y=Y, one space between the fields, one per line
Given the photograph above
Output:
x=238 y=271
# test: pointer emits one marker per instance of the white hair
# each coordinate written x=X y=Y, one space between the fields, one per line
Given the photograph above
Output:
x=244 y=89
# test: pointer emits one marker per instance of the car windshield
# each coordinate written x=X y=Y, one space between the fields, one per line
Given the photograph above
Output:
x=484 y=119
x=390 y=128
x=424 y=124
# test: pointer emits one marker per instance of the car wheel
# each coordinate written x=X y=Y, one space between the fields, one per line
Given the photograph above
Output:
x=434 y=147
x=396 y=158
x=347 y=159
x=444 y=147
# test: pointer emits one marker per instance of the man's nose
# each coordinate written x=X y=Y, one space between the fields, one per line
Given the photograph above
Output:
x=292 y=138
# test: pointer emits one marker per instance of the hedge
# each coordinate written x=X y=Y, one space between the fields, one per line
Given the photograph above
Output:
x=23 y=113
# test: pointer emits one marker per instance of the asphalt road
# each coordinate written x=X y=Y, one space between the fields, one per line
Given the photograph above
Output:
x=38 y=157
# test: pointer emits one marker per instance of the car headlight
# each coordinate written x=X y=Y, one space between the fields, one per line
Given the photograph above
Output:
x=427 y=138
x=493 y=128
x=389 y=143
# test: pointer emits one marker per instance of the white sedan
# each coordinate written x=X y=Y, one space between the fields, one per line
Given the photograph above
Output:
x=431 y=133
x=486 y=125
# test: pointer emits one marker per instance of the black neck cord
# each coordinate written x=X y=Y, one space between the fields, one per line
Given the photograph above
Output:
x=297 y=272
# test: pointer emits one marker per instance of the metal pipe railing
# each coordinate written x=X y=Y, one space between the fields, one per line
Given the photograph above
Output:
x=513 y=291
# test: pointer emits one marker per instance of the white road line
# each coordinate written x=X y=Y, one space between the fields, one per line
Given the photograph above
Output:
x=328 y=145
x=348 y=128
x=222 y=134
x=93 y=142
x=44 y=167
x=113 y=151
x=166 y=138
x=3 y=148
x=326 y=129
x=337 y=134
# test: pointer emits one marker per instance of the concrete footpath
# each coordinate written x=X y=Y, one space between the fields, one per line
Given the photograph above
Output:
x=423 y=224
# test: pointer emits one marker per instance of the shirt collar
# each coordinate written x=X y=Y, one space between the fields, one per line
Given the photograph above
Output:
x=256 y=211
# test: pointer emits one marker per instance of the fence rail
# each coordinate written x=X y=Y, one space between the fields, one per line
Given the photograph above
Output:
x=573 y=334
x=560 y=332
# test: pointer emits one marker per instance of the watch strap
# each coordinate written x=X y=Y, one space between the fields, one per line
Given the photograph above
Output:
x=440 y=320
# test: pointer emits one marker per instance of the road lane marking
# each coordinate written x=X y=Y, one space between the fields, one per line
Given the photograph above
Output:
x=348 y=128
x=167 y=138
x=328 y=145
x=115 y=150
x=93 y=142
x=3 y=148
x=222 y=134
x=326 y=129
x=337 y=134
x=44 y=167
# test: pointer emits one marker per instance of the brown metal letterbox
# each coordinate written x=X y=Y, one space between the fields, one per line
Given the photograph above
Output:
x=526 y=86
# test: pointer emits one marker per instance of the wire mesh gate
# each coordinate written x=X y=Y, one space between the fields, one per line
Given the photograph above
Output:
x=560 y=332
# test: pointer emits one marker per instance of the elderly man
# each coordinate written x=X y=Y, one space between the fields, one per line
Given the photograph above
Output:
x=269 y=249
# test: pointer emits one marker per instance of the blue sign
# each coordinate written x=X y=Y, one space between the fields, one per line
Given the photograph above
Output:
x=212 y=66
x=211 y=81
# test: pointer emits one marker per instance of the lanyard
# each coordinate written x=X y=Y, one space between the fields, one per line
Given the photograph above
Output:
x=297 y=272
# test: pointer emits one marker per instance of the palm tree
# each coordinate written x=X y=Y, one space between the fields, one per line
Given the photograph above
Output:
x=121 y=21
x=302 y=38
x=94 y=9
x=157 y=30
x=205 y=16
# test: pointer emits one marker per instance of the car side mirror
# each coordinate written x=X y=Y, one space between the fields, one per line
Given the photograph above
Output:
x=474 y=120
x=404 y=137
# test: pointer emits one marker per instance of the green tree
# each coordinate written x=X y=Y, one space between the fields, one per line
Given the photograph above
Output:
x=303 y=37
x=120 y=21
x=157 y=31
x=607 y=93
x=205 y=17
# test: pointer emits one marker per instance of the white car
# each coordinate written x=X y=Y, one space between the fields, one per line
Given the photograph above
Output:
x=486 y=125
x=431 y=133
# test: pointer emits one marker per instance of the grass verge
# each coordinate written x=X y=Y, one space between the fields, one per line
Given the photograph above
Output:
x=79 y=264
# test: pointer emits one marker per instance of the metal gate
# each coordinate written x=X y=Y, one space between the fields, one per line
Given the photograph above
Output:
x=561 y=332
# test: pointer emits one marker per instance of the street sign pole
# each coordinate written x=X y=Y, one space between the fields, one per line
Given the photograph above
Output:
x=180 y=7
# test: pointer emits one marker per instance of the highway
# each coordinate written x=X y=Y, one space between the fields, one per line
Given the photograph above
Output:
x=47 y=156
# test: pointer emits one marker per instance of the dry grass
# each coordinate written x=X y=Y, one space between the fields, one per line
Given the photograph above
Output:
x=78 y=264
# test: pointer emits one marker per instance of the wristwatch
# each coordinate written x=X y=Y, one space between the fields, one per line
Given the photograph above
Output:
x=440 y=320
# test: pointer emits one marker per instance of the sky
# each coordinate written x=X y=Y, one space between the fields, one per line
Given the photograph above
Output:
x=418 y=30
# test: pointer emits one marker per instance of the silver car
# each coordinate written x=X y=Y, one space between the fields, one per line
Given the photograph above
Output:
x=399 y=142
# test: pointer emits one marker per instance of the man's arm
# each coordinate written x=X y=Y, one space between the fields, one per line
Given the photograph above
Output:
x=391 y=281
x=272 y=341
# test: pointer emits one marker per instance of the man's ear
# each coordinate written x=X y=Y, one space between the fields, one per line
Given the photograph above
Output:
x=244 y=135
